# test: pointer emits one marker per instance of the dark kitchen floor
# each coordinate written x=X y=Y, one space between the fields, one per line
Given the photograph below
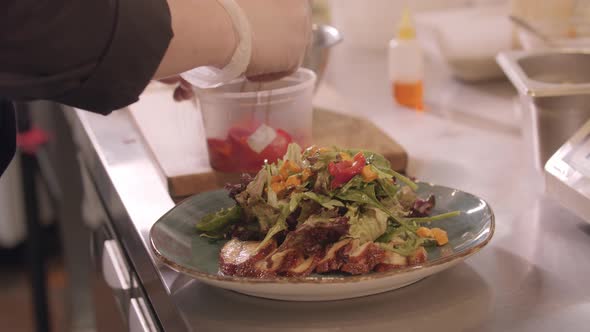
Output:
x=16 y=310
x=15 y=295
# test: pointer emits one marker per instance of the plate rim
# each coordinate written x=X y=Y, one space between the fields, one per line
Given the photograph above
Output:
x=328 y=279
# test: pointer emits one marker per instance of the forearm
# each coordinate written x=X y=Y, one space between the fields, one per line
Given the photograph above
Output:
x=97 y=55
x=203 y=36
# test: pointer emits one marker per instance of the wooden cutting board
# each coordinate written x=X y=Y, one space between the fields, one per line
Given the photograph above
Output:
x=174 y=133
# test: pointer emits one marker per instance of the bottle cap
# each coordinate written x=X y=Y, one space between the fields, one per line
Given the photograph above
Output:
x=405 y=29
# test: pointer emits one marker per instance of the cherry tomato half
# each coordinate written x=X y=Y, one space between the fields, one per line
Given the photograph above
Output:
x=345 y=170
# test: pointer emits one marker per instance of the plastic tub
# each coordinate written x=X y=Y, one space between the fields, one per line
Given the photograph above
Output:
x=247 y=123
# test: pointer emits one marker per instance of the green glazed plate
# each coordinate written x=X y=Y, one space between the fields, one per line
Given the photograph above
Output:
x=176 y=243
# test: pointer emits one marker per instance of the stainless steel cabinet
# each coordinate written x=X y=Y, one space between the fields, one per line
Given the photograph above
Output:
x=116 y=284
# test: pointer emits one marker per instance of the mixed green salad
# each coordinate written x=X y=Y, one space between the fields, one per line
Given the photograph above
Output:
x=323 y=210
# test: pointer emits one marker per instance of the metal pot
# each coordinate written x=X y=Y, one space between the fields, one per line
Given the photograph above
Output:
x=316 y=59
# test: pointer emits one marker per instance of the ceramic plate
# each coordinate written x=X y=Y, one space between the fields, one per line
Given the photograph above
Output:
x=175 y=241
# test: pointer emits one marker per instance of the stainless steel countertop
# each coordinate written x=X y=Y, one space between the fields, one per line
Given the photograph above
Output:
x=531 y=277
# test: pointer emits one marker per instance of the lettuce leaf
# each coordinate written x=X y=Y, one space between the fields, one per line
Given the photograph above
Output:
x=308 y=209
x=279 y=226
x=215 y=225
x=294 y=154
x=364 y=196
x=271 y=196
x=406 y=197
x=433 y=218
x=356 y=182
x=408 y=248
x=255 y=207
x=265 y=214
x=322 y=218
x=390 y=233
x=388 y=173
x=322 y=183
x=325 y=158
x=383 y=167
x=256 y=187
x=295 y=201
x=374 y=159
x=369 y=225
x=323 y=200
x=389 y=189
x=367 y=196
x=404 y=180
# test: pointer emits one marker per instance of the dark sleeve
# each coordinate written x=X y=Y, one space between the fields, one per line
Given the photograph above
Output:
x=97 y=55
x=7 y=134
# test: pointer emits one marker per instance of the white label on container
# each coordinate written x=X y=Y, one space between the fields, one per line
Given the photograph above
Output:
x=261 y=138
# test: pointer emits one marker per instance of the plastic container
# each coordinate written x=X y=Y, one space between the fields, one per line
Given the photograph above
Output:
x=406 y=66
x=247 y=123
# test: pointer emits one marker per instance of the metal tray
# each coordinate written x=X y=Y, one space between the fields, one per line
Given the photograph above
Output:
x=554 y=90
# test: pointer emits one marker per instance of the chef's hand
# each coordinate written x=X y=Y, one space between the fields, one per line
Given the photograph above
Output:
x=281 y=30
x=183 y=90
x=204 y=36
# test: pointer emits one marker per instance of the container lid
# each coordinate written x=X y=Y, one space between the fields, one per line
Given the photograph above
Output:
x=204 y=77
x=238 y=89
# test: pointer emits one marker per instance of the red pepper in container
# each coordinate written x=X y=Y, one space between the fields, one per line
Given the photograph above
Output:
x=277 y=148
x=220 y=152
x=243 y=158
x=237 y=152
x=345 y=170
x=246 y=122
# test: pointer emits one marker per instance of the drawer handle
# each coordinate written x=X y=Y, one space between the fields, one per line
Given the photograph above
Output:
x=139 y=321
x=114 y=269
